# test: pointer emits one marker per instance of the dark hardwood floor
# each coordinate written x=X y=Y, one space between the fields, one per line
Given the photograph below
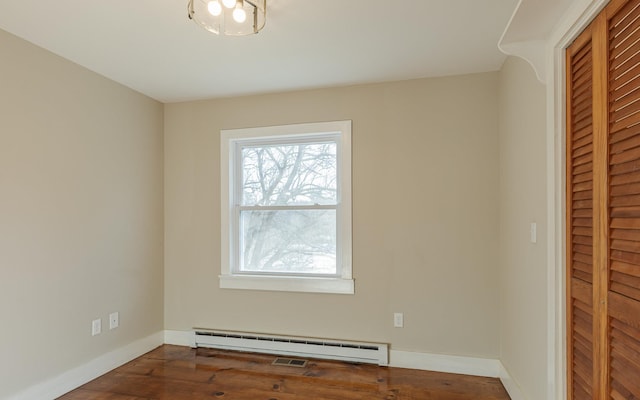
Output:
x=177 y=373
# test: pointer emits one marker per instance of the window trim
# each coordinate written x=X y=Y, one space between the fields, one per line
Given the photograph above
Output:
x=341 y=284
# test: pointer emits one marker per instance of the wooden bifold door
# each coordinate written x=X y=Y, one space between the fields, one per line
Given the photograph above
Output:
x=603 y=206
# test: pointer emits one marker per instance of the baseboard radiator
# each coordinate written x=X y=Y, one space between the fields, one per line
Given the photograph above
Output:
x=361 y=352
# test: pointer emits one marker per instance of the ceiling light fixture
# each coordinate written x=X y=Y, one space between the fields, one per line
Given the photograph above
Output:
x=229 y=17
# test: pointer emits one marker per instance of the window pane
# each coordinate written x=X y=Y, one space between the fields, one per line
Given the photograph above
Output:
x=289 y=174
x=291 y=241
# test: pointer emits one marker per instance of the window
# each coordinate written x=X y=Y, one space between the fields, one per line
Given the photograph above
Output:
x=286 y=208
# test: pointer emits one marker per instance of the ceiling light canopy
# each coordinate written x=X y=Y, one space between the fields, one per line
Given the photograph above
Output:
x=229 y=17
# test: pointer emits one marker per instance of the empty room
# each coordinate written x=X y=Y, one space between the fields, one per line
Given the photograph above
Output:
x=299 y=199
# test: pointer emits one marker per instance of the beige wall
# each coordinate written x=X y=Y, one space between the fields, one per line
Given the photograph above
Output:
x=447 y=175
x=523 y=265
x=81 y=214
x=425 y=216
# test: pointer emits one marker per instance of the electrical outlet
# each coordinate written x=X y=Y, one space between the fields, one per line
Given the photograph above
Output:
x=398 y=320
x=114 y=320
x=96 y=327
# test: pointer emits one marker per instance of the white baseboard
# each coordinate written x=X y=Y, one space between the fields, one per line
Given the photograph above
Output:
x=400 y=359
x=458 y=365
x=444 y=363
x=510 y=384
x=78 y=376
x=180 y=338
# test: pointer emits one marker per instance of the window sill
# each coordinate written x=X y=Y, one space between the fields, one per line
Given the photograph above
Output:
x=288 y=284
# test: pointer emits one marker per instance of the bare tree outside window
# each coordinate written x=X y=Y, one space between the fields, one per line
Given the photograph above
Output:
x=288 y=211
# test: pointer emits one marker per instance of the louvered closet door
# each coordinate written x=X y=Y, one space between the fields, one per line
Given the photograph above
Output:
x=603 y=206
x=580 y=216
x=623 y=291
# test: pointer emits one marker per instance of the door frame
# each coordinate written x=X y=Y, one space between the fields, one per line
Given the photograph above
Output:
x=577 y=18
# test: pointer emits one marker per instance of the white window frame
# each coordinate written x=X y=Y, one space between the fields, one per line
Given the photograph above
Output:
x=230 y=140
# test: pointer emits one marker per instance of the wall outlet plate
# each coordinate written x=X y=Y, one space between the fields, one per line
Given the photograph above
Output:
x=398 y=320
x=114 y=320
x=96 y=327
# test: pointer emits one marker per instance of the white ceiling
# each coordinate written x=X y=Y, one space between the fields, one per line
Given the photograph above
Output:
x=152 y=47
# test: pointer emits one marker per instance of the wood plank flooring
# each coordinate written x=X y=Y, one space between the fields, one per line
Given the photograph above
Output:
x=180 y=373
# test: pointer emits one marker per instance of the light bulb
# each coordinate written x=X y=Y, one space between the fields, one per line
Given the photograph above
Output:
x=214 y=8
x=229 y=3
x=239 y=15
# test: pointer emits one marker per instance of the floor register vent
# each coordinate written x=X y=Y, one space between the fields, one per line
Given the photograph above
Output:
x=290 y=362
x=363 y=352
